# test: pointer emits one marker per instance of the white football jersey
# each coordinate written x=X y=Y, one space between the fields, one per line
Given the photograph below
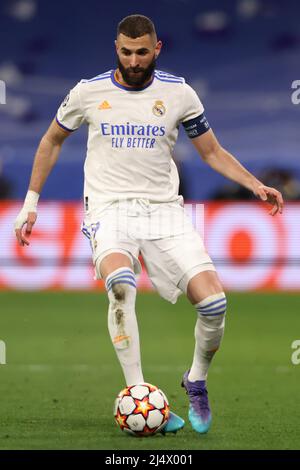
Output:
x=131 y=135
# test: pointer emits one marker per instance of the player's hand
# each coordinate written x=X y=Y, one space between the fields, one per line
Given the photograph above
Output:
x=27 y=219
x=270 y=195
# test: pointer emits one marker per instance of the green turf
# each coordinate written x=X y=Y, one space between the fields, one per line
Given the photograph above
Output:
x=58 y=386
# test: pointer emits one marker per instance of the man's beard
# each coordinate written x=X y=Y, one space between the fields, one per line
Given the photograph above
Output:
x=132 y=78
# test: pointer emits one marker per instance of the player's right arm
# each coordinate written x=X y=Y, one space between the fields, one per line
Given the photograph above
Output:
x=45 y=159
x=70 y=116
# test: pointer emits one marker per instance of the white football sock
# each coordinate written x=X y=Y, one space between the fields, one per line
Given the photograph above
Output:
x=209 y=331
x=122 y=323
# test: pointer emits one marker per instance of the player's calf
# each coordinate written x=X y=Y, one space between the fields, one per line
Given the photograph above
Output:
x=122 y=323
x=209 y=331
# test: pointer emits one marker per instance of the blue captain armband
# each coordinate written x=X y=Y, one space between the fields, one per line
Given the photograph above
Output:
x=196 y=126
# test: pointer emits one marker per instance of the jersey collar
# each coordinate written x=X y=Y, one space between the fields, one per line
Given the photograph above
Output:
x=128 y=88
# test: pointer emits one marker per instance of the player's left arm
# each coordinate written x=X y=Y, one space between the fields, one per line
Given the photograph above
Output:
x=222 y=161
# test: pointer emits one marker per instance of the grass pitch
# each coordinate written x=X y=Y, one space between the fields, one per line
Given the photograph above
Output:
x=58 y=386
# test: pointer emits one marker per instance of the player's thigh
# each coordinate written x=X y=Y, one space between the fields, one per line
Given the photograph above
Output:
x=202 y=285
x=112 y=246
x=113 y=261
x=172 y=262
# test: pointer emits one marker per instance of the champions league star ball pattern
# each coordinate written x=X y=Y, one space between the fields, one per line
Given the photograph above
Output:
x=141 y=410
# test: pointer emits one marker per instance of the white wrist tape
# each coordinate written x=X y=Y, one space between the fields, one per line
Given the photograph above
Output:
x=30 y=205
x=31 y=201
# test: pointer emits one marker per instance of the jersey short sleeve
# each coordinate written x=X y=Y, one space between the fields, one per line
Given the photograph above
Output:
x=192 y=106
x=70 y=114
x=193 y=118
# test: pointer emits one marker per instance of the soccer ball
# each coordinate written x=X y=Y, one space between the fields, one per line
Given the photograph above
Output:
x=141 y=410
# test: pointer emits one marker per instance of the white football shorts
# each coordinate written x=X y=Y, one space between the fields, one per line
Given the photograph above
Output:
x=172 y=249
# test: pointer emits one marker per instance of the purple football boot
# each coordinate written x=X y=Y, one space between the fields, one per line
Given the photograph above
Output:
x=199 y=411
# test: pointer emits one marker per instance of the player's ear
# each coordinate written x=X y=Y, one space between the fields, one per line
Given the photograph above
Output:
x=158 y=48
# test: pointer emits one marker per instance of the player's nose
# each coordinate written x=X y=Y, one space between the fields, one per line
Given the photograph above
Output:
x=134 y=60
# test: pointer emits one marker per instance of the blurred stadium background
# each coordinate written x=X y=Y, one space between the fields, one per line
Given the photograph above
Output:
x=242 y=57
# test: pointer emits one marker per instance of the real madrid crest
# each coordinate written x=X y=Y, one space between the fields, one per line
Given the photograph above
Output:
x=159 y=108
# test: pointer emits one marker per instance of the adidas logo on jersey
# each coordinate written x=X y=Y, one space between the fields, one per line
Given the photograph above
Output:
x=104 y=105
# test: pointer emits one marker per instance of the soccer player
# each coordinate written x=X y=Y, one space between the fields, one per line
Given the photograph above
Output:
x=131 y=199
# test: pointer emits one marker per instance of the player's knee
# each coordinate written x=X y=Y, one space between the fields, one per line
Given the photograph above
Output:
x=120 y=284
x=212 y=309
x=111 y=262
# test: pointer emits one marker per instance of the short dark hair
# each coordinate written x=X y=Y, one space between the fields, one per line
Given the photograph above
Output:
x=135 y=26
